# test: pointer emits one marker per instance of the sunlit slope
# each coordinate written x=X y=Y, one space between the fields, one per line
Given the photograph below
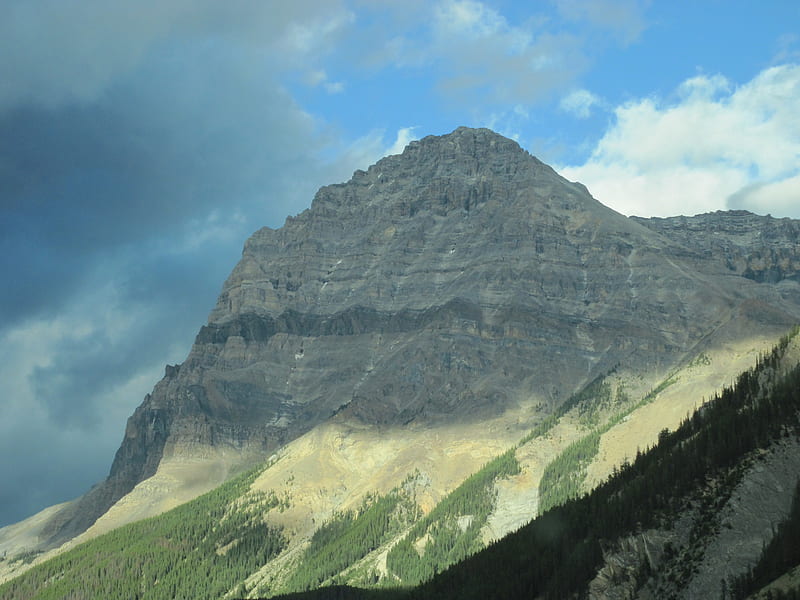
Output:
x=339 y=479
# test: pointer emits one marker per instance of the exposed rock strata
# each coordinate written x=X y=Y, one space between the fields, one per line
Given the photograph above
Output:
x=445 y=284
x=761 y=248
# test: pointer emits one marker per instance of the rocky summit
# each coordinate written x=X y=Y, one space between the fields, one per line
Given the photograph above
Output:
x=449 y=284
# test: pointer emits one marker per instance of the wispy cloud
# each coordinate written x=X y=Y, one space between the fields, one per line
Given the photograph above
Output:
x=780 y=198
x=404 y=136
x=623 y=18
x=579 y=103
x=488 y=60
x=480 y=57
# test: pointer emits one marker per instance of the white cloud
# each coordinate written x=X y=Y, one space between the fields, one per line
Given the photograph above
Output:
x=788 y=50
x=692 y=154
x=468 y=18
x=315 y=31
x=319 y=77
x=579 y=103
x=404 y=136
x=334 y=87
x=781 y=198
x=366 y=151
x=316 y=77
x=508 y=64
x=508 y=123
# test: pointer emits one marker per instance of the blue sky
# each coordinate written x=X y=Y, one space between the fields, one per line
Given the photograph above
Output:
x=141 y=143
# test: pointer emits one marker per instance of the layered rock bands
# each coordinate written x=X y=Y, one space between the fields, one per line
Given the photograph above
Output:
x=447 y=283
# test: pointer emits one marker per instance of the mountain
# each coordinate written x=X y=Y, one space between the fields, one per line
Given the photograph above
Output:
x=448 y=305
x=711 y=511
x=685 y=519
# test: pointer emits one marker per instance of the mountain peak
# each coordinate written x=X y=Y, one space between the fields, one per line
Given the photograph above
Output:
x=452 y=173
x=463 y=146
x=449 y=284
x=470 y=141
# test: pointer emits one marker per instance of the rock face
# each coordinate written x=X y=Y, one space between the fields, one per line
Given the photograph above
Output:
x=760 y=248
x=445 y=285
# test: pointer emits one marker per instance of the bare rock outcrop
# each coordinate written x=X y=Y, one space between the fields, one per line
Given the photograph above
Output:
x=442 y=285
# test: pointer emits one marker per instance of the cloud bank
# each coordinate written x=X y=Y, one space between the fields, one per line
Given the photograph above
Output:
x=139 y=147
x=709 y=146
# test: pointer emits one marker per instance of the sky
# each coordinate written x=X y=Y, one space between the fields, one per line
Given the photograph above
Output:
x=141 y=143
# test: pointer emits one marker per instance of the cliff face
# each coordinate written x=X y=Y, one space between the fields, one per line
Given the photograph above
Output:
x=444 y=285
x=761 y=248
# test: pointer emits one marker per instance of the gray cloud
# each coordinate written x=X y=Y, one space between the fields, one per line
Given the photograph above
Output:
x=133 y=325
x=623 y=18
x=779 y=198
x=482 y=59
x=489 y=71
x=54 y=53
x=72 y=378
x=38 y=476
x=137 y=153
x=202 y=132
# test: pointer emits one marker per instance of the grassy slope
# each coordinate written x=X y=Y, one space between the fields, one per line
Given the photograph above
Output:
x=557 y=554
x=201 y=549
x=210 y=546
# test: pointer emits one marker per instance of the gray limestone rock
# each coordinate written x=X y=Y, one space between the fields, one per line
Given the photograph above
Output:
x=440 y=285
x=761 y=248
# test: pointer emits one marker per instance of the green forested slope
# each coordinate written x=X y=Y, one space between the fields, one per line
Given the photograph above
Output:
x=557 y=554
x=201 y=549
x=563 y=478
x=350 y=536
x=208 y=547
x=451 y=531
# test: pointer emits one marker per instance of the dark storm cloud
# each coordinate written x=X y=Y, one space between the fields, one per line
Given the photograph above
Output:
x=199 y=132
x=108 y=350
x=138 y=149
x=39 y=477
x=155 y=307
